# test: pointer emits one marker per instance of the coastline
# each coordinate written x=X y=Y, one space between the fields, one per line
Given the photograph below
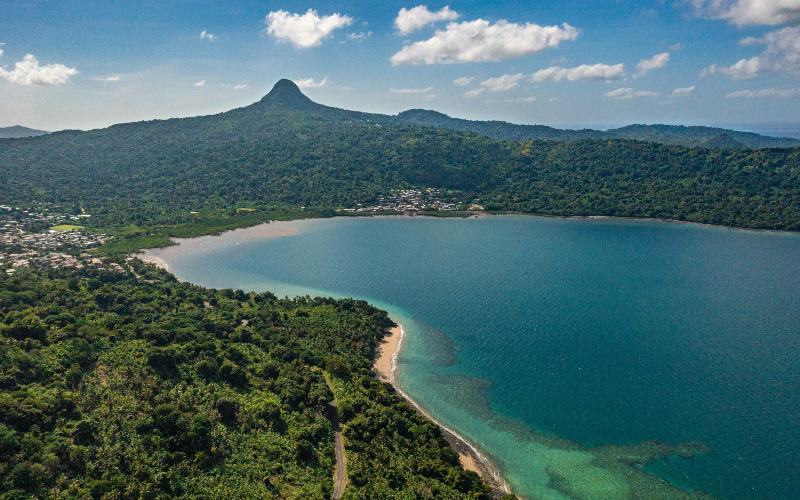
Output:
x=385 y=368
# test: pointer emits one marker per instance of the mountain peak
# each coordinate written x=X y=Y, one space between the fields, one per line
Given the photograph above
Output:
x=287 y=94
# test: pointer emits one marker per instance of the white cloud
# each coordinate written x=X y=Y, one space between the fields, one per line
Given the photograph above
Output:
x=304 y=31
x=429 y=97
x=683 y=92
x=473 y=93
x=114 y=78
x=677 y=46
x=555 y=99
x=463 y=81
x=28 y=72
x=655 y=62
x=308 y=83
x=521 y=99
x=481 y=41
x=502 y=83
x=750 y=94
x=1 y=50
x=345 y=88
x=241 y=87
x=584 y=72
x=782 y=55
x=628 y=93
x=411 y=91
x=359 y=36
x=201 y=83
x=210 y=37
x=410 y=20
x=750 y=12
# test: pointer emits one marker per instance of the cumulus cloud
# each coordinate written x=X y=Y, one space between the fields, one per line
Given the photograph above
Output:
x=28 y=72
x=463 y=81
x=481 y=41
x=782 y=55
x=750 y=12
x=201 y=83
x=655 y=62
x=304 y=31
x=410 y=20
x=473 y=93
x=584 y=72
x=208 y=35
x=359 y=36
x=628 y=93
x=750 y=94
x=683 y=92
x=308 y=83
x=411 y=91
x=502 y=83
x=521 y=99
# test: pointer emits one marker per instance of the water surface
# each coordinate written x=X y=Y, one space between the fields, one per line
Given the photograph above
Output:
x=564 y=347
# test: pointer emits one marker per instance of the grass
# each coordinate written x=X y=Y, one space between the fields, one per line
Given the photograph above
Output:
x=66 y=227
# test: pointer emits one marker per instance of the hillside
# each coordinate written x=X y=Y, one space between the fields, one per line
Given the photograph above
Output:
x=18 y=131
x=286 y=151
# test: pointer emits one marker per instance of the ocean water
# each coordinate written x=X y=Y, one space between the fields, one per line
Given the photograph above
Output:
x=589 y=359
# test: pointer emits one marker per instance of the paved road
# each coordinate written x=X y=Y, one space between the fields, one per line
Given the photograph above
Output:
x=340 y=478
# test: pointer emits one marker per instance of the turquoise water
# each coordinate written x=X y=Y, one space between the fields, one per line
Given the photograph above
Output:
x=545 y=341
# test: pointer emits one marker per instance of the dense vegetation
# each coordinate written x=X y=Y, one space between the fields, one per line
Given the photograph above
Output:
x=693 y=136
x=136 y=386
x=289 y=152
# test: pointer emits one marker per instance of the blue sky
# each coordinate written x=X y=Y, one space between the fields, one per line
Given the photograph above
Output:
x=87 y=64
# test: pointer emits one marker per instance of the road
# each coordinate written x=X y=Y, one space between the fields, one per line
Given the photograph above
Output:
x=340 y=477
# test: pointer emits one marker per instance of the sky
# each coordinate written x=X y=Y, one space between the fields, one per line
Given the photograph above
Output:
x=84 y=64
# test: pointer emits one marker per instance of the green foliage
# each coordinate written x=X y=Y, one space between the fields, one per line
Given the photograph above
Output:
x=286 y=152
x=118 y=386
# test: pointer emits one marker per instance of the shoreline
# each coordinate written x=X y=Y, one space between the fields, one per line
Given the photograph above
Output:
x=385 y=368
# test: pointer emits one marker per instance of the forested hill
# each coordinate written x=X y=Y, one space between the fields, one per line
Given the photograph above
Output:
x=18 y=131
x=287 y=151
x=708 y=137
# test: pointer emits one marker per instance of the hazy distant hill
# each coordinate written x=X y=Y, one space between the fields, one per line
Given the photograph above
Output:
x=708 y=137
x=702 y=136
x=18 y=131
x=288 y=151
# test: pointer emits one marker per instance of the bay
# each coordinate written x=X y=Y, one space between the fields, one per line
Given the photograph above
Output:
x=563 y=348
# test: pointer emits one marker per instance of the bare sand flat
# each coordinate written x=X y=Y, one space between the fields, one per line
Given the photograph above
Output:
x=186 y=246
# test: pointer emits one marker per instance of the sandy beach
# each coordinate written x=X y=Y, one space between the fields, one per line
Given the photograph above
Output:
x=383 y=354
x=385 y=367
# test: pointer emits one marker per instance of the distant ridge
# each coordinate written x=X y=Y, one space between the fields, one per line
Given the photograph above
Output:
x=18 y=131
x=287 y=96
x=679 y=135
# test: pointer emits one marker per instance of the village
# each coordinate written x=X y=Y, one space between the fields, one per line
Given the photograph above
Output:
x=413 y=200
x=44 y=236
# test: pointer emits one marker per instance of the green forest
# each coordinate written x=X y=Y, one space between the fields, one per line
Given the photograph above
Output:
x=137 y=386
x=286 y=152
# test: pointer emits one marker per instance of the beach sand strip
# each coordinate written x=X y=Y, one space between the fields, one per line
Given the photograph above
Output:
x=385 y=367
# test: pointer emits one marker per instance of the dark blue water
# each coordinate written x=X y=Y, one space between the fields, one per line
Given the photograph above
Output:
x=544 y=340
